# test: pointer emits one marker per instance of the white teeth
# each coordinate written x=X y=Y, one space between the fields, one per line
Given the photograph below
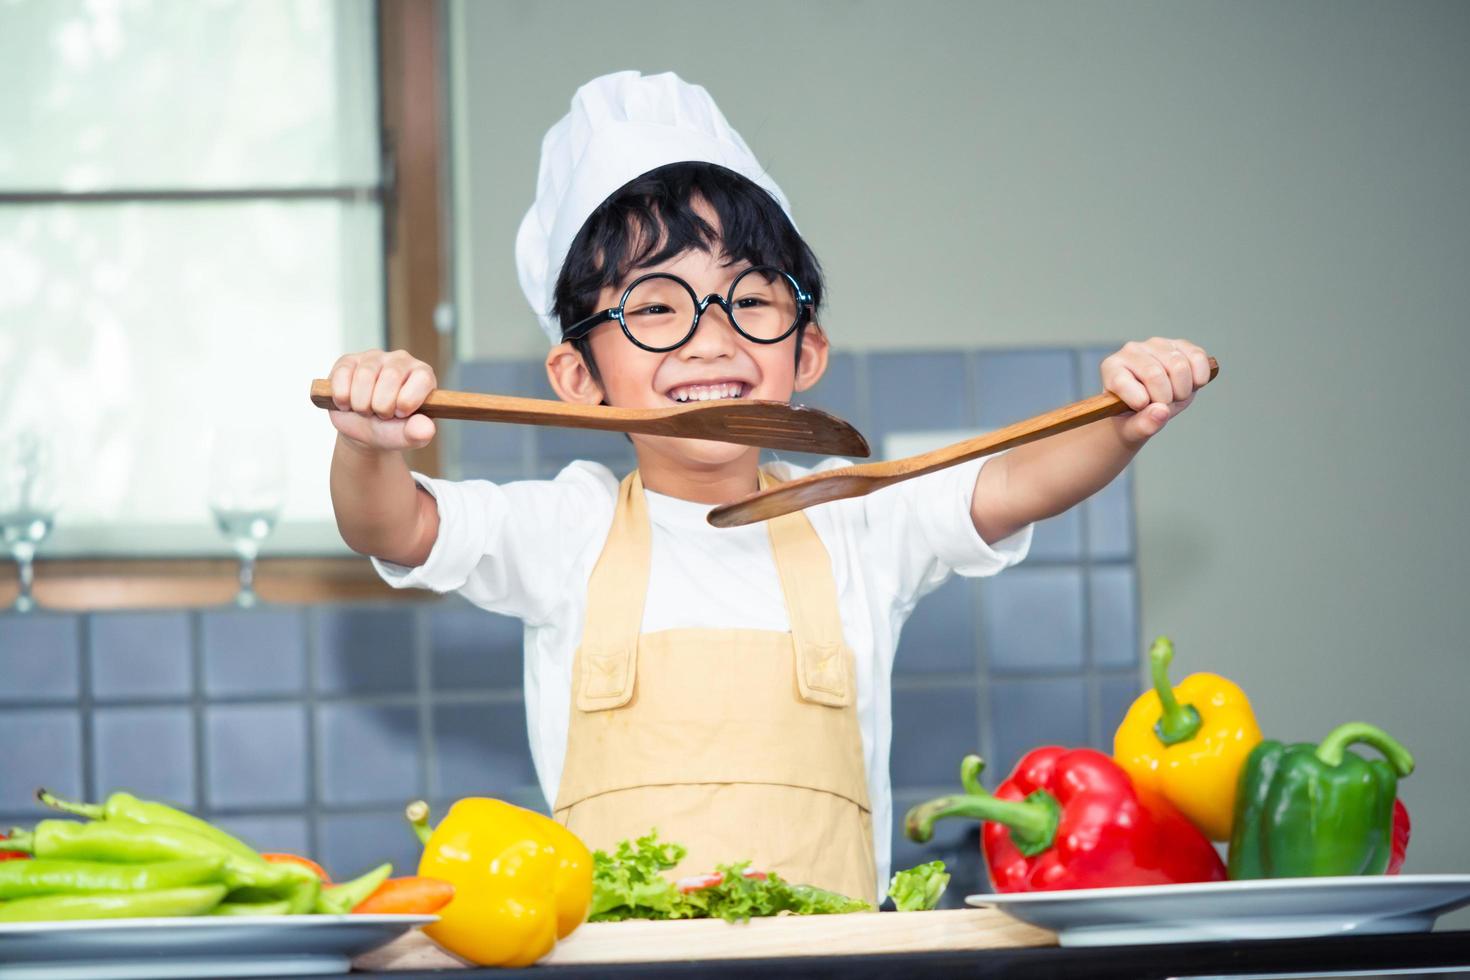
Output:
x=704 y=393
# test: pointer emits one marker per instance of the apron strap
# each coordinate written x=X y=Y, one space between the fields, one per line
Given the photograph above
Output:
x=822 y=672
x=616 y=594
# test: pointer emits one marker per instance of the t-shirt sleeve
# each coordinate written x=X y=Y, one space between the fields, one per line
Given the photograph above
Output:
x=920 y=532
x=510 y=547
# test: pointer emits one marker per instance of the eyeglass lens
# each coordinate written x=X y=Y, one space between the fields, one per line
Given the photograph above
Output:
x=659 y=311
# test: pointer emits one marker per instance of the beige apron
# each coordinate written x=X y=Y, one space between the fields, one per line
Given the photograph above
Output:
x=739 y=744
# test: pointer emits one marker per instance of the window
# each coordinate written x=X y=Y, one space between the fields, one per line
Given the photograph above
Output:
x=191 y=229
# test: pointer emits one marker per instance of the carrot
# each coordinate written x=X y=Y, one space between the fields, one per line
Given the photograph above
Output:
x=304 y=862
x=407 y=896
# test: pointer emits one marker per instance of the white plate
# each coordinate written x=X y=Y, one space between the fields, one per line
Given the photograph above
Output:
x=206 y=946
x=1273 y=908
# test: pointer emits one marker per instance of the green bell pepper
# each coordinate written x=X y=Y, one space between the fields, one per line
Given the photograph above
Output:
x=1311 y=810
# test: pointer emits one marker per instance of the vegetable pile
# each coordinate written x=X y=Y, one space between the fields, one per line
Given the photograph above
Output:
x=630 y=884
x=129 y=858
x=1188 y=765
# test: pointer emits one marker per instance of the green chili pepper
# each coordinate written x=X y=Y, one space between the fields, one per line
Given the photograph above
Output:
x=124 y=841
x=343 y=898
x=1309 y=810
x=126 y=806
x=23 y=879
x=300 y=897
x=303 y=896
x=115 y=905
x=282 y=907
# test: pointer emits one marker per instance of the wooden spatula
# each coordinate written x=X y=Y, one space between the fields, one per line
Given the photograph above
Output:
x=858 y=481
x=772 y=425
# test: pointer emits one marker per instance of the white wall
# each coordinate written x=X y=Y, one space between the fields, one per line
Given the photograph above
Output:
x=1285 y=183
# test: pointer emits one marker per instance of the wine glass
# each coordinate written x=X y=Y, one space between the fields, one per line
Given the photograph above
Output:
x=28 y=498
x=247 y=482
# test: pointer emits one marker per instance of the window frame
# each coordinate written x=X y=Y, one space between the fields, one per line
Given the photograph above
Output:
x=411 y=114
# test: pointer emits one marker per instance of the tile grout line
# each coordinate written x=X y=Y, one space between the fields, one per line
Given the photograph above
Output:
x=84 y=706
x=1093 y=686
x=984 y=716
x=423 y=679
x=310 y=621
x=196 y=711
x=473 y=695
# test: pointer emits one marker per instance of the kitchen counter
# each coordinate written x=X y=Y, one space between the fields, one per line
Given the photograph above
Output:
x=1331 y=955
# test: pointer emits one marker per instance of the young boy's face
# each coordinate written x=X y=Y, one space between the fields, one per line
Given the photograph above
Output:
x=717 y=362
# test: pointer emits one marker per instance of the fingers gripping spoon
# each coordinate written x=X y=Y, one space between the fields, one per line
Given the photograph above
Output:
x=858 y=481
x=772 y=425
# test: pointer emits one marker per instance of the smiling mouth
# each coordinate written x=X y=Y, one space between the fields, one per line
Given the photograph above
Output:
x=685 y=394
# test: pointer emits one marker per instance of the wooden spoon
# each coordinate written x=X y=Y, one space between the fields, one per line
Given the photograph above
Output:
x=773 y=425
x=858 y=481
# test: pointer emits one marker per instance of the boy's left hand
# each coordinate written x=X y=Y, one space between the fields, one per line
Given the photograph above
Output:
x=1157 y=378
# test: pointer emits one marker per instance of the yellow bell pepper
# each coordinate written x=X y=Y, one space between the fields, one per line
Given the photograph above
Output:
x=521 y=880
x=1188 y=743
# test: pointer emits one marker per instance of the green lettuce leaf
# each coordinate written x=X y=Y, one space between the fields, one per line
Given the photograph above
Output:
x=918 y=889
x=630 y=884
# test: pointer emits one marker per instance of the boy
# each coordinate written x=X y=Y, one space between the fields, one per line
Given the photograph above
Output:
x=730 y=687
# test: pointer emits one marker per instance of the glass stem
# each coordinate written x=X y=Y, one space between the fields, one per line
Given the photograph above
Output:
x=25 y=554
x=246 y=596
x=247 y=551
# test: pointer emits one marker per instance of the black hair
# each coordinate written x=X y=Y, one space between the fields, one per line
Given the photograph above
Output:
x=652 y=219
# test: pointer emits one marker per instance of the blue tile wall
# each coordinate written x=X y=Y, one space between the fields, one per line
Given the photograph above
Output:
x=480 y=749
x=1033 y=620
x=1014 y=385
x=140 y=655
x=307 y=729
x=481 y=443
x=365 y=651
x=933 y=729
x=1058 y=539
x=254 y=653
x=370 y=753
x=256 y=755
x=475 y=649
x=46 y=751
x=1113 y=608
x=289 y=834
x=39 y=658
x=916 y=392
x=940 y=637
x=1025 y=714
x=353 y=843
x=146 y=751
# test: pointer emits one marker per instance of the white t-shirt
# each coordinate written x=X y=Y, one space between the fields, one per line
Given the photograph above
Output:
x=527 y=549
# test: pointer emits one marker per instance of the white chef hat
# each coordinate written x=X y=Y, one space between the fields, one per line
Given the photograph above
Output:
x=620 y=127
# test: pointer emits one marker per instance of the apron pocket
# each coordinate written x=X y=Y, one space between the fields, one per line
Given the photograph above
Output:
x=822 y=674
x=607 y=677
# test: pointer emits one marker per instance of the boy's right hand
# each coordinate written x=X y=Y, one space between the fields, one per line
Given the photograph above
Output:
x=377 y=394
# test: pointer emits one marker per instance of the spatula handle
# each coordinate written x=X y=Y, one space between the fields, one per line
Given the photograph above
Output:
x=476 y=407
x=1059 y=420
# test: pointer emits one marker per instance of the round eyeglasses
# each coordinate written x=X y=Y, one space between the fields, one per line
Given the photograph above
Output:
x=659 y=312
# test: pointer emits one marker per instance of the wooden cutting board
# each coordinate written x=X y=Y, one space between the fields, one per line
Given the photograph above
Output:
x=712 y=939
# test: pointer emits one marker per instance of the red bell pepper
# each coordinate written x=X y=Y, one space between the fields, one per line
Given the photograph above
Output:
x=1071 y=818
x=1400 y=838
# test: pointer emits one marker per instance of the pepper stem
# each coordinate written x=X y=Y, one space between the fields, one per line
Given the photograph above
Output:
x=417 y=813
x=91 y=811
x=1179 y=722
x=1331 y=749
x=1033 y=821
